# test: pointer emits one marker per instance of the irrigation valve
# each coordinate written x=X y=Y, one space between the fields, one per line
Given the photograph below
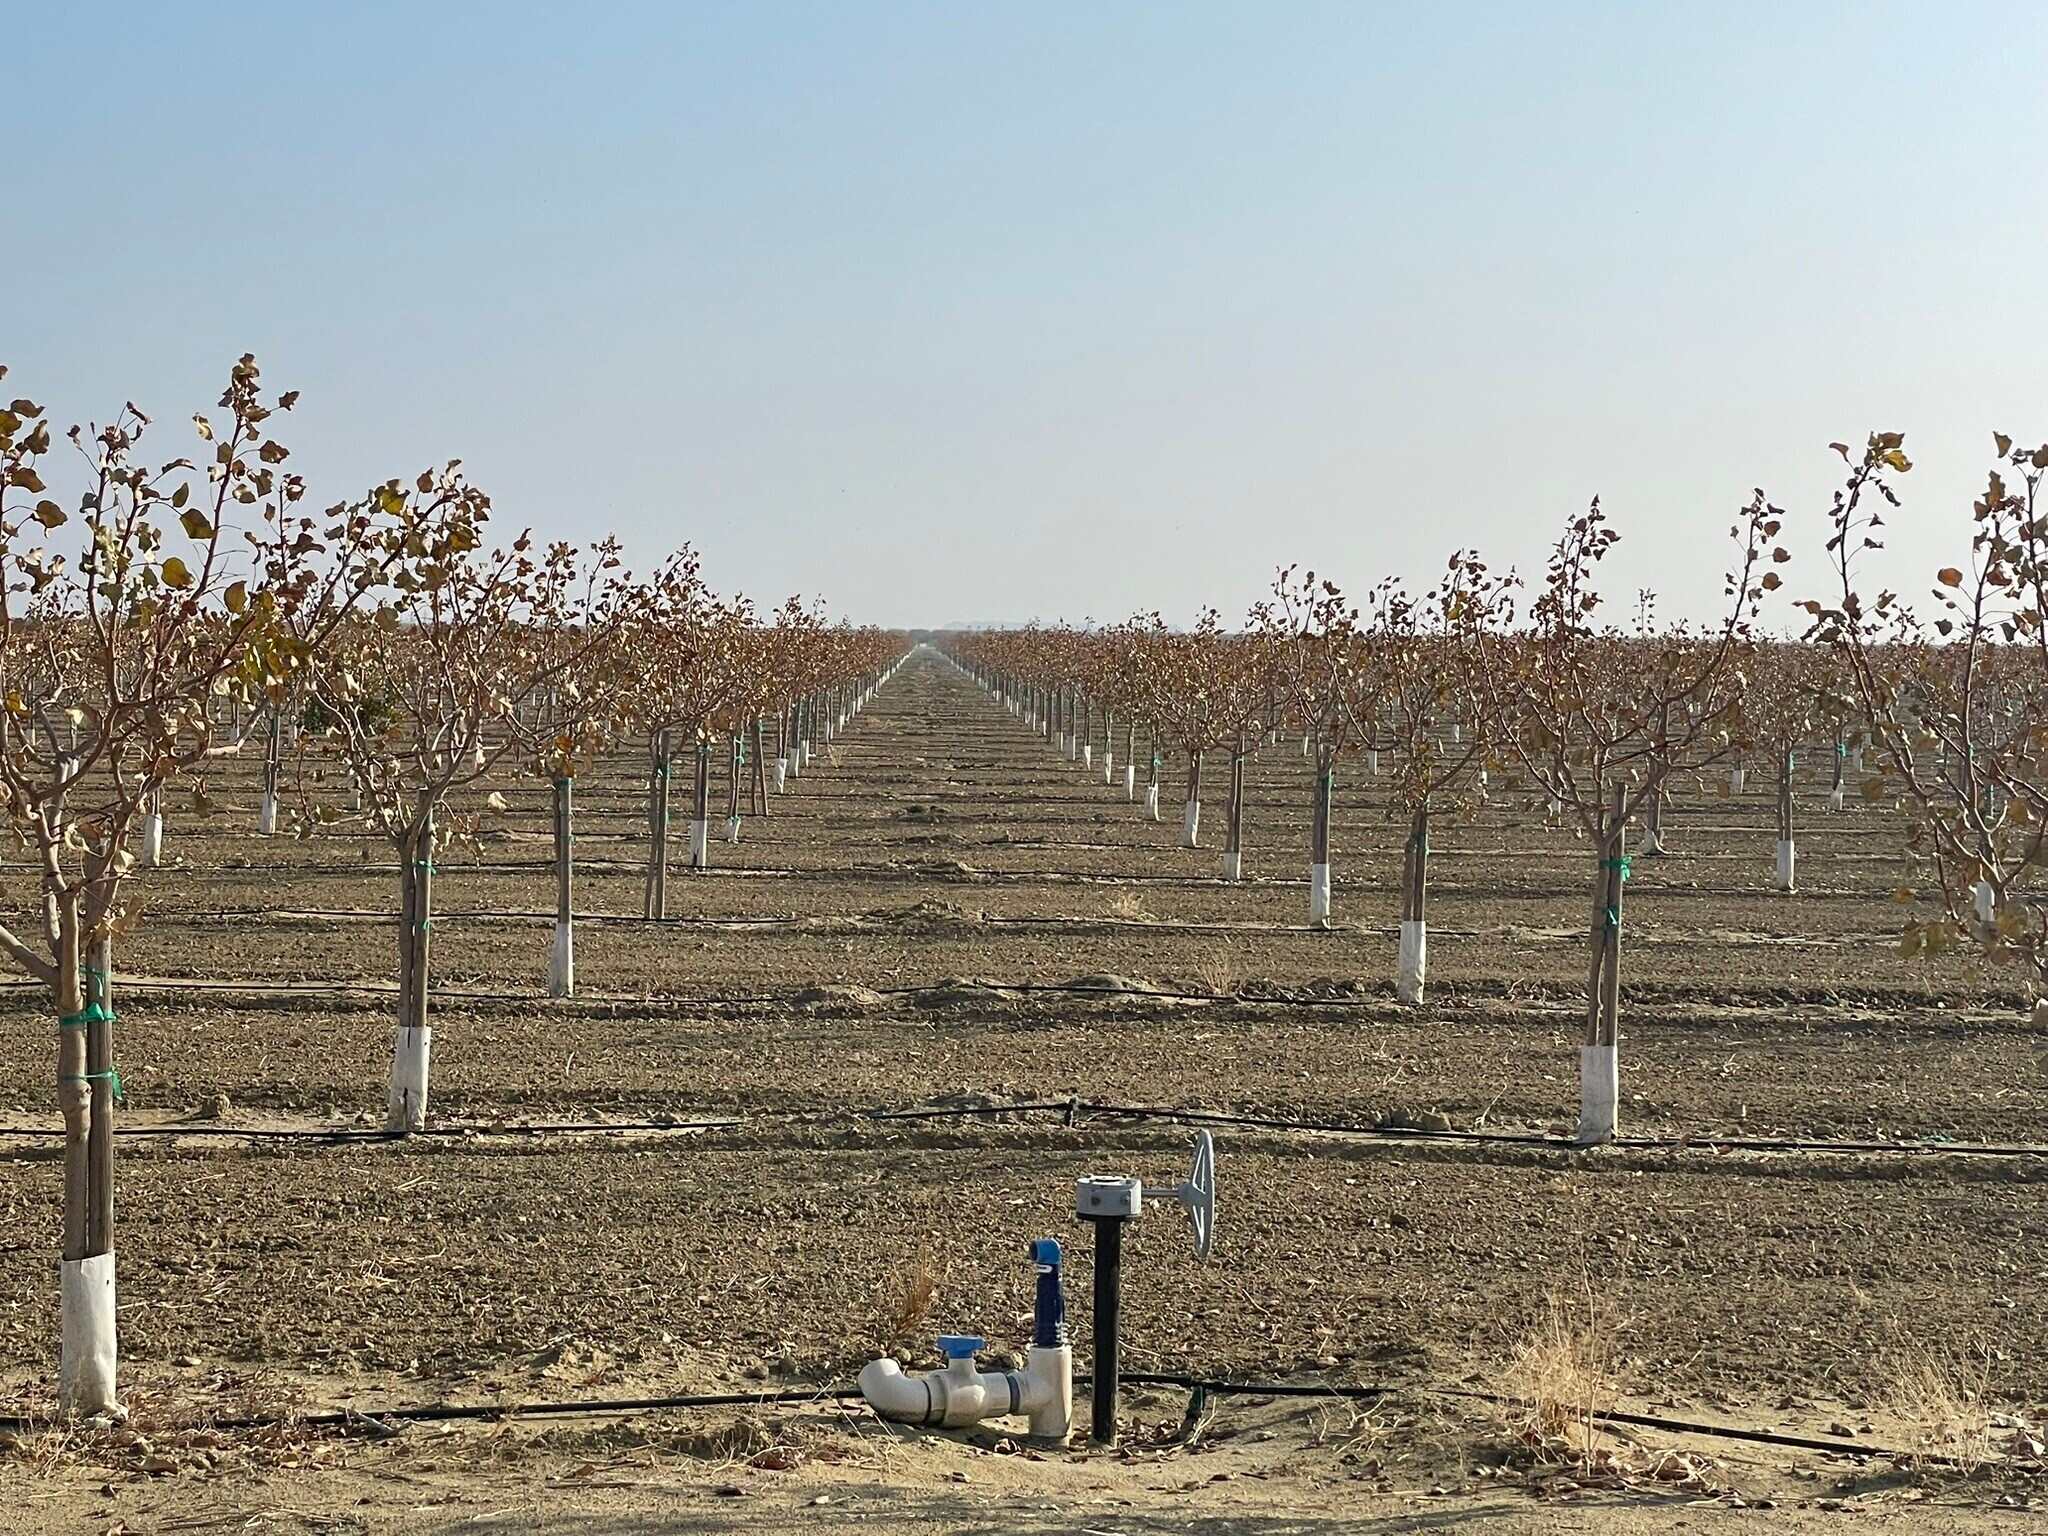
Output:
x=960 y=1395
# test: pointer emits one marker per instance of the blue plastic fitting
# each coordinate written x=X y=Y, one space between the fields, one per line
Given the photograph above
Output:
x=1049 y=1313
x=960 y=1346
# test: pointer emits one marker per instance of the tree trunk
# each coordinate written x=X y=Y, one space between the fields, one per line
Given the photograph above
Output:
x=654 y=903
x=266 y=812
x=1191 y=811
x=411 y=1059
x=757 y=780
x=1788 y=854
x=1233 y=815
x=700 y=806
x=562 y=964
x=86 y=1088
x=1599 y=1057
x=1412 y=963
x=1319 y=843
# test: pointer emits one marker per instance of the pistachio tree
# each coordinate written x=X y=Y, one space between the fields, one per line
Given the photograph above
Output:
x=1955 y=704
x=418 y=697
x=125 y=617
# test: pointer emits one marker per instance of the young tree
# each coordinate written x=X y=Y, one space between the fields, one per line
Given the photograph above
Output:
x=564 y=728
x=184 y=588
x=1956 y=707
x=1425 y=654
x=1311 y=634
x=1597 y=717
x=418 y=699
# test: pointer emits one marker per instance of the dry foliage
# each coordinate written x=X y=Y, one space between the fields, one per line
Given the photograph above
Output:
x=912 y=1304
x=1942 y=1401
x=1219 y=974
x=1560 y=1379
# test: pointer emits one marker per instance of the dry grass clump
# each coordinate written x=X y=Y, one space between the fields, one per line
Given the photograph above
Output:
x=912 y=1303
x=1943 y=1404
x=1130 y=906
x=1560 y=1379
x=1219 y=974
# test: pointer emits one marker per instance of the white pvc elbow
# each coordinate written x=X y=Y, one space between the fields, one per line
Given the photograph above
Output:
x=960 y=1396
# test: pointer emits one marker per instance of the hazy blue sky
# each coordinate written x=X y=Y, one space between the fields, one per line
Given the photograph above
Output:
x=978 y=311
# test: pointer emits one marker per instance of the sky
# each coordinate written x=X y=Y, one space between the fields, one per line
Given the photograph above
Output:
x=971 y=312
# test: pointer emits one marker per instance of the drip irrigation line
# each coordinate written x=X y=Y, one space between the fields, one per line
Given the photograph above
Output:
x=1538 y=1139
x=382 y=1421
x=1073 y=1110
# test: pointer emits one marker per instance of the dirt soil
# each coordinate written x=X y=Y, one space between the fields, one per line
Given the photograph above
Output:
x=944 y=914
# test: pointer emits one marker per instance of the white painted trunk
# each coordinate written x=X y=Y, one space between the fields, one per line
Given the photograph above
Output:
x=1856 y=759
x=700 y=844
x=1152 y=801
x=1653 y=841
x=781 y=773
x=1412 y=967
x=266 y=815
x=1130 y=781
x=1987 y=901
x=732 y=829
x=1191 y=824
x=1835 y=798
x=1599 y=1093
x=1087 y=756
x=1233 y=866
x=1737 y=777
x=1788 y=863
x=1372 y=761
x=562 y=961
x=407 y=1109
x=89 y=1353
x=1319 y=896
x=1108 y=767
x=152 y=839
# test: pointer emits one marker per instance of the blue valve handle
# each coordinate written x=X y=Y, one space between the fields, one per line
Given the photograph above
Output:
x=960 y=1346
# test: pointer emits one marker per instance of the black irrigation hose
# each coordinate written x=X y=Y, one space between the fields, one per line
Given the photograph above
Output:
x=1073 y=1109
x=1538 y=1139
x=381 y=1421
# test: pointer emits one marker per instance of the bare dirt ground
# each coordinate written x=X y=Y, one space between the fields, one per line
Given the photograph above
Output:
x=906 y=930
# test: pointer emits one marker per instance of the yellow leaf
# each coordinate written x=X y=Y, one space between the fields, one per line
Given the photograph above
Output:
x=176 y=574
x=196 y=525
x=237 y=597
